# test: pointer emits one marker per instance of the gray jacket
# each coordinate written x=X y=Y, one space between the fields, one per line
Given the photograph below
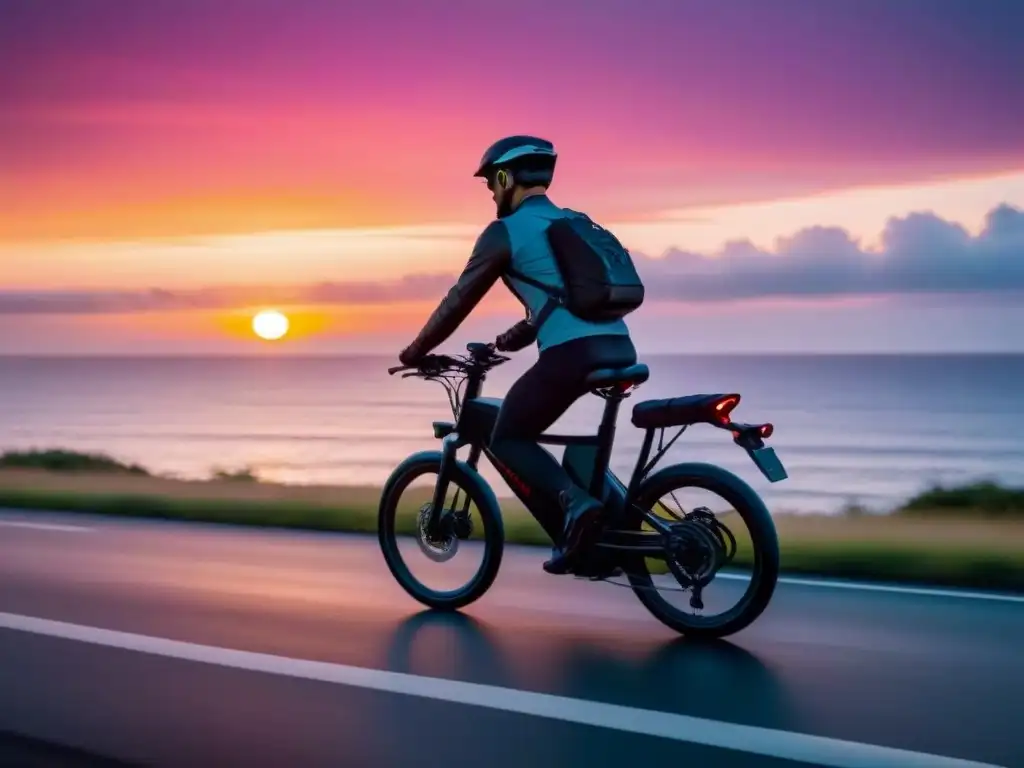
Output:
x=518 y=243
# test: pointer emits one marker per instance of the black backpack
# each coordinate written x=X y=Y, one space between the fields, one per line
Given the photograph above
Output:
x=601 y=282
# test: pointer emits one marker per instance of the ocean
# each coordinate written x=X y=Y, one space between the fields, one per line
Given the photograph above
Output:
x=865 y=429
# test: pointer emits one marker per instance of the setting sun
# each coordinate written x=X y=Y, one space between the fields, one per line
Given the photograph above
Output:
x=270 y=325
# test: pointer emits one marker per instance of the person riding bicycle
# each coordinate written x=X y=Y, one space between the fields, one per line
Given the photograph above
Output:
x=515 y=248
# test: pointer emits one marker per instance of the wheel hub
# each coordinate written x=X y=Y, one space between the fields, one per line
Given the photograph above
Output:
x=462 y=525
x=692 y=553
x=697 y=550
x=440 y=548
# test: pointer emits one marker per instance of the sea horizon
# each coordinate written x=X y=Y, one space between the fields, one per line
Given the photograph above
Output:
x=852 y=429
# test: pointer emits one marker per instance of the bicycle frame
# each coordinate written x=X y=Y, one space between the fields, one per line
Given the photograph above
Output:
x=474 y=419
x=586 y=457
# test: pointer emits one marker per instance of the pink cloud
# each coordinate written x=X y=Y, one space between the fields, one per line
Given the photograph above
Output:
x=920 y=254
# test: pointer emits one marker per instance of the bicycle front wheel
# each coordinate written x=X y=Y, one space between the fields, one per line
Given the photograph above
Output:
x=470 y=530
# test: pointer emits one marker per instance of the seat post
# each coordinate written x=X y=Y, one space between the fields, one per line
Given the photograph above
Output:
x=605 y=439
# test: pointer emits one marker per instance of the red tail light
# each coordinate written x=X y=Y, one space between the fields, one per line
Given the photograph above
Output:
x=751 y=430
x=724 y=407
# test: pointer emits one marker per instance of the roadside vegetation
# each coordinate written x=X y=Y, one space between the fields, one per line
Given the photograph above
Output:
x=59 y=460
x=985 y=499
x=969 y=535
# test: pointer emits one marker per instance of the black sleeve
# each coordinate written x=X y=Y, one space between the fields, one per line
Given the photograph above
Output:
x=489 y=260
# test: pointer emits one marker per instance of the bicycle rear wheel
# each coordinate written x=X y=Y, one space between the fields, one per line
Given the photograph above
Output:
x=759 y=559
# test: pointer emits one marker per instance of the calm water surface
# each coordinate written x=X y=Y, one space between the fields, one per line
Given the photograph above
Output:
x=870 y=429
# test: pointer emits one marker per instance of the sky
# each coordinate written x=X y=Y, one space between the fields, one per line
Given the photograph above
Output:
x=794 y=176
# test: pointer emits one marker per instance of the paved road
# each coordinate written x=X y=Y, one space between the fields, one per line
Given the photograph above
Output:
x=170 y=644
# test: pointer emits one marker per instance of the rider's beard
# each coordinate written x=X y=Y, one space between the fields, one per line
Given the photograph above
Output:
x=504 y=205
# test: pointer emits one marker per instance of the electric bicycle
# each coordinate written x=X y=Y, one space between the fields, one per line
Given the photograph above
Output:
x=690 y=548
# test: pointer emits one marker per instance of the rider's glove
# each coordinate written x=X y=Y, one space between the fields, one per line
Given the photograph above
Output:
x=520 y=335
x=411 y=355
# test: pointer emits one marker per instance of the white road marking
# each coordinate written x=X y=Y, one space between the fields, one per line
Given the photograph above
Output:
x=817 y=750
x=46 y=526
x=862 y=586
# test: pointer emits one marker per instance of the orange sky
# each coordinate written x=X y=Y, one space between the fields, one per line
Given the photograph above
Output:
x=261 y=149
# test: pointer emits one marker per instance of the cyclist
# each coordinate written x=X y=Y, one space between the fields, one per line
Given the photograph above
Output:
x=518 y=171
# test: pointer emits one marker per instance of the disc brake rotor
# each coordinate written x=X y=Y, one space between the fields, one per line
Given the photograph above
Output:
x=441 y=548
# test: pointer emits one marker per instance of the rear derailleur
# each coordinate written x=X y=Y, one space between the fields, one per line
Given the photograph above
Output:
x=697 y=547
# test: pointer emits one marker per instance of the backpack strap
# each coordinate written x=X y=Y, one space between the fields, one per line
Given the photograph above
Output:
x=555 y=297
x=552 y=292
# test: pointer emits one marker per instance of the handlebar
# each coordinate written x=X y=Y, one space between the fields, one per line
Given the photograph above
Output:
x=481 y=357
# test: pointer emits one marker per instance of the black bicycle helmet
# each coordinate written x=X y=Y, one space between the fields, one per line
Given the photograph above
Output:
x=517 y=152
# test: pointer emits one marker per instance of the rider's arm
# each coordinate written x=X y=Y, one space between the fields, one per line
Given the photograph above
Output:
x=491 y=256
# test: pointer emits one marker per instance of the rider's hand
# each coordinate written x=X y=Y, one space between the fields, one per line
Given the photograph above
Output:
x=411 y=355
x=520 y=335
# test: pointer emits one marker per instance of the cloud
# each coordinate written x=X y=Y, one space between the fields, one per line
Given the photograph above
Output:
x=161 y=300
x=919 y=254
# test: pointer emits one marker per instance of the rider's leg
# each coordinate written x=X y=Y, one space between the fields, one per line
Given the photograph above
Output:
x=532 y=405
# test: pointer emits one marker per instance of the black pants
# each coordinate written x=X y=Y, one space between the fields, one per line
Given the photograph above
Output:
x=536 y=400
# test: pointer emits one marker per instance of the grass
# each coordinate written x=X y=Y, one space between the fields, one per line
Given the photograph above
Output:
x=58 y=460
x=982 y=498
x=968 y=536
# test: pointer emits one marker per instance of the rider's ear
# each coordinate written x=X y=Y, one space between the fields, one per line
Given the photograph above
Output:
x=503 y=179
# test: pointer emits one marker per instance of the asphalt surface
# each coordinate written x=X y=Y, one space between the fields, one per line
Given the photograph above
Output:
x=172 y=644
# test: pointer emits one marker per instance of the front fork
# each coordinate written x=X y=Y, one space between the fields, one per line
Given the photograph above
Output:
x=450 y=445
